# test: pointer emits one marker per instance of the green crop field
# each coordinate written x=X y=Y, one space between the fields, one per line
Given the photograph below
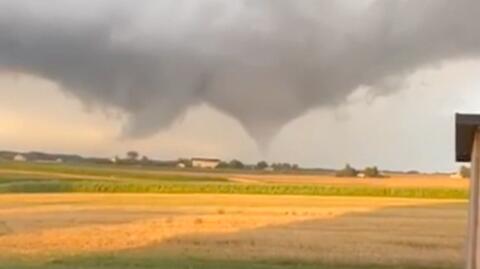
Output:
x=88 y=186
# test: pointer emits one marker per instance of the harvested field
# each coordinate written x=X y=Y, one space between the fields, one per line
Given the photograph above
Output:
x=393 y=181
x=151 y=230
x=102 y=217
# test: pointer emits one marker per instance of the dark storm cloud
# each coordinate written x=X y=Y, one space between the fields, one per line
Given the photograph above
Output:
x=264 y=62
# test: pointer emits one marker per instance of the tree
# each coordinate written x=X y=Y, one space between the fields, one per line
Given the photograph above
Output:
x=348 y=171
x=185 y=162
x=132 y=155
x=286 y=166
x=371 y=172
x=262 y=165
x=465 y=171
x=236 y=164
x=282 y=166
x=223 y=165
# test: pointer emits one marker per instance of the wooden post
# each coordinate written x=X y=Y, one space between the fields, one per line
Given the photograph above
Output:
x=473 y=235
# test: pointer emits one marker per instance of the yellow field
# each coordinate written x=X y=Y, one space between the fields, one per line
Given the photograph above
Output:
x=360 y=231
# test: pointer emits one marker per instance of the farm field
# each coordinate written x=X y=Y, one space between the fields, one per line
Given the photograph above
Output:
x=228 y=231
x=41 y=178
x=56 y=216
x=112 y=172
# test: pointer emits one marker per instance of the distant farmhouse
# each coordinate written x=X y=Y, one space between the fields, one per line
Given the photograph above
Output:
x=115 y=159
x=20 y=158
x=58 y=160
x=181 y=165
x=205 y=163
x=40 y=157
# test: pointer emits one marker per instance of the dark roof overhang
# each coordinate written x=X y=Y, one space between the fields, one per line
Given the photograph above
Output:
x=466 y=128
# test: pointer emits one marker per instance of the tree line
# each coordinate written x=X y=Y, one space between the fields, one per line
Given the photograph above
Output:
x=135 y=158
x=349 y=171
x=261 y=165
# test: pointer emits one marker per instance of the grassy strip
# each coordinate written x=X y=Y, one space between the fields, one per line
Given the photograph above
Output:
x=131 y=262
x=216 y=188
x=107 y=172
x=108 y=168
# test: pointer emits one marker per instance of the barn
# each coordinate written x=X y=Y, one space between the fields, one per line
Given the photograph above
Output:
x=206 y=163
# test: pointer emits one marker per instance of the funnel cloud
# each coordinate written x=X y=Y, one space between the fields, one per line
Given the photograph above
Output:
x=262 y=62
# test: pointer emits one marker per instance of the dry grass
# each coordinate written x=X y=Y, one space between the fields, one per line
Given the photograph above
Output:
x=284 y=228
x=414 y=181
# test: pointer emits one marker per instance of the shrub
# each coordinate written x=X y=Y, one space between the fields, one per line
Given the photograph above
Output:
x=465 y=172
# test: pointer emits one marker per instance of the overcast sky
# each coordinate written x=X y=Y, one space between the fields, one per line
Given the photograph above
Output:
x=319 y=83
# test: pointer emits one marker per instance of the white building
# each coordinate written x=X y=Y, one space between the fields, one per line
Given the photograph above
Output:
x=181 y=165
x=115 y=159
x=205 y=163
x=20 y=158
x=59 y=160
x=456 y=176
x=361 y=175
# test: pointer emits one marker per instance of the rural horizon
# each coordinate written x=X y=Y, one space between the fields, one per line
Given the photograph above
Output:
x=40 y=156
x=96 y=214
